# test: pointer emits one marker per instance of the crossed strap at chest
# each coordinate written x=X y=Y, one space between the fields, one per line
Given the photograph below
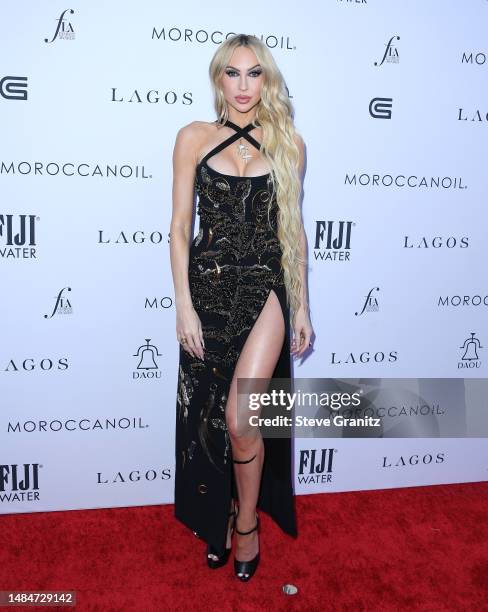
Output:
x=240 y=132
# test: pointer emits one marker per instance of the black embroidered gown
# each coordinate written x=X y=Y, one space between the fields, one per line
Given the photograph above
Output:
x=234 y=264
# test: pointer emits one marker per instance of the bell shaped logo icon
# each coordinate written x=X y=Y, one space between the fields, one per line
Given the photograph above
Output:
x=471 y=346
x=147 y=353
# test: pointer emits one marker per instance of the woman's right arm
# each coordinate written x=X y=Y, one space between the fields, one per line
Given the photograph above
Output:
x=188 y=323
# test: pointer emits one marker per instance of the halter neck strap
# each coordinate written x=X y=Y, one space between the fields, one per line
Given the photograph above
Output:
x=237 y=128
x=239 y=133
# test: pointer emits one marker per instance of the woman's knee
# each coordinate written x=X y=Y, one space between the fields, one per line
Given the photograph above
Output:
x=239 y=429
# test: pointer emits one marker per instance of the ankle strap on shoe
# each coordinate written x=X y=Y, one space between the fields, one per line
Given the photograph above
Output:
x=250 y=530
x=245 y=461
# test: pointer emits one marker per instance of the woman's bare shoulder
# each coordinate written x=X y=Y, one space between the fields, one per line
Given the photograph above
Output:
x=197 y=128
x=190 y=140
x=193 y=138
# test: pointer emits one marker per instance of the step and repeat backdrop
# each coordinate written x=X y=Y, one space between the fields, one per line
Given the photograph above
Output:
x=391 y=100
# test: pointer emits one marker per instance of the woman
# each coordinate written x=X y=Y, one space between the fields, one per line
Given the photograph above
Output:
x=234 y=290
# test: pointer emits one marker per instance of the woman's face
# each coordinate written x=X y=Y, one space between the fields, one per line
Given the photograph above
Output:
x=242 y=80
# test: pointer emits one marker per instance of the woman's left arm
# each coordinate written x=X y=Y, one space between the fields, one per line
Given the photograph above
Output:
x=302 y=327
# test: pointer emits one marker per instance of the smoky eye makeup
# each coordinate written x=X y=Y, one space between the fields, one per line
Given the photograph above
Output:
x=254 y=72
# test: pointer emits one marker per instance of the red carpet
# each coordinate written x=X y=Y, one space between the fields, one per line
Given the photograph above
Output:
x=421 y=548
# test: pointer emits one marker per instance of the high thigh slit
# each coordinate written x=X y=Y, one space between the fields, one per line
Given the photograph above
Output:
x=234 y=264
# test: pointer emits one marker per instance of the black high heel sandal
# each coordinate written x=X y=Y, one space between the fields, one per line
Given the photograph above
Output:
x=221 y=561
x=244 y=570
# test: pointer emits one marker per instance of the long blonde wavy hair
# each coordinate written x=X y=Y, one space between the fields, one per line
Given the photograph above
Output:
x=275 y=115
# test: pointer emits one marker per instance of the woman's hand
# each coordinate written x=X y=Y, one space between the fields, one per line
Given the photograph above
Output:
x=302 y=329
x=189 y=328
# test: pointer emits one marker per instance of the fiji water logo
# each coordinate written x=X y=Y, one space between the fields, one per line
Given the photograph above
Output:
x=316 y=465
x=333 y=240
x=64 y=28
x=18 y=236
x=147 y=366
x=19 y=482
x=470 y=358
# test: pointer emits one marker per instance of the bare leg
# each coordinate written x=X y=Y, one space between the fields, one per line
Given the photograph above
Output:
x=258 y=359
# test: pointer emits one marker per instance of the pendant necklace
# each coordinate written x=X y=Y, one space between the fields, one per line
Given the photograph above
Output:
x=243 y=151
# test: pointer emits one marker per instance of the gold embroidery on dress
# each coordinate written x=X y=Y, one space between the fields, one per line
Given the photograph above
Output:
x=235 y=262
